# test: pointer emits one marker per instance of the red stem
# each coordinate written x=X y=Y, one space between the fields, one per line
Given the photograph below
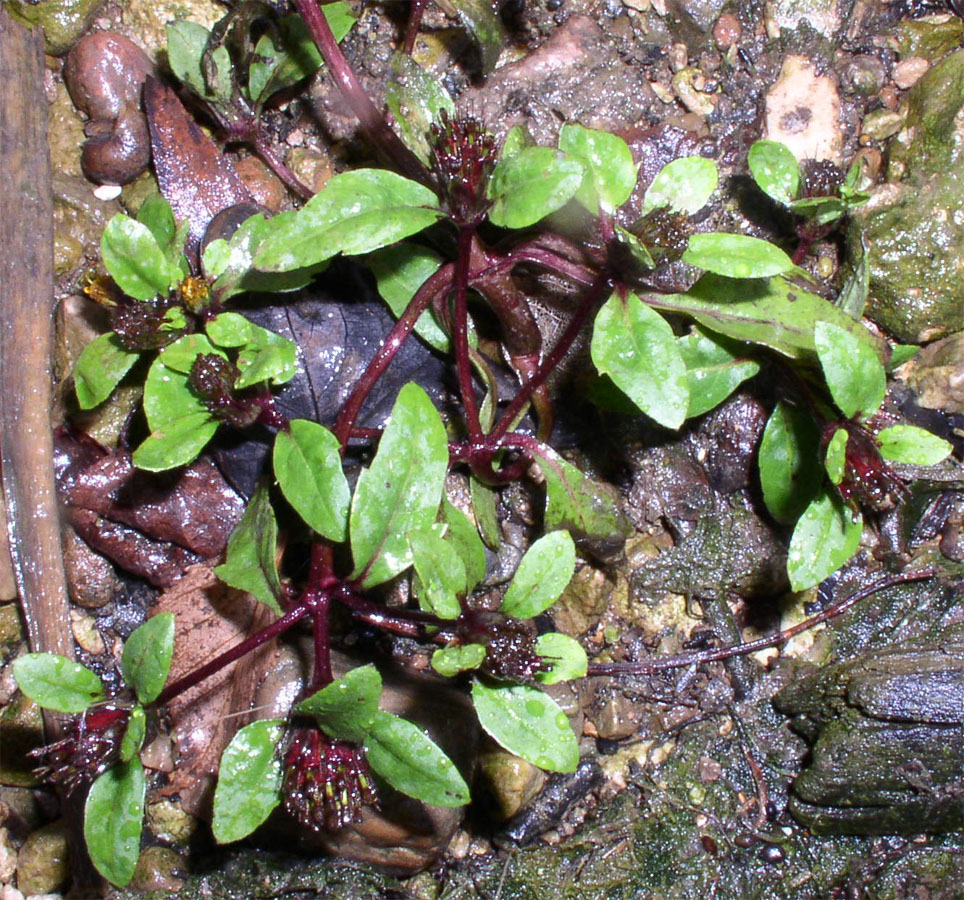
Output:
x=781 y=637
x=552 y=360
x=380 y=362
x=292 y=617
x=386 y=142
x=460 y=333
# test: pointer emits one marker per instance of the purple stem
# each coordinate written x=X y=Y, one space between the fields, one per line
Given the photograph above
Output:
x=380 y=362
x=412 y=25
x=292 y=617
x=372 y=122
x=781 y=637
x=461 y=333
x=548 y=366
x=294 y=184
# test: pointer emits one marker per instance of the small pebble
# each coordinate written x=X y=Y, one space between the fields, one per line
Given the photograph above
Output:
x=107 y=192
x=727 y=31
x=909 y=71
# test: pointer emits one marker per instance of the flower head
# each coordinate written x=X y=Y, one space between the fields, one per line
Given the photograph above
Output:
x=867 y=480
x=463 y=157
x=92 y=747
x=326 y=782
x=510 y=645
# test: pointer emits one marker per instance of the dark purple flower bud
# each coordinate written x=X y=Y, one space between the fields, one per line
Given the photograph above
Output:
x=327 y=783
x=510 y=645
x=140 y=325
x=463 y=157
x=92 y=747
x=821 y=178
x=868 y=481
x=213 y=377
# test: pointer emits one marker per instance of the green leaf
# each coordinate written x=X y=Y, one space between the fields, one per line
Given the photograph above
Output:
x=356 y=212
x=416 y=99
x=610 y=172
x=441 y=573
x=586 y=508
x=134 y=259
x=715 y=367
x=789 y=463
x=231 y=263
x=484 y=507
x=450 y=661
x=736 y=255
x=835 y=461
x=134 y=734
x=113 y=820
x=274 y=68
x=825 y=538
x=542 y=576
x=819 y=210
x=399 y=272
x=528 y=186
x=413 y=763
x=852 y=299
x=775 y=170
x=177 y=443
x=478 y=18
x=517 y=138
x=912 y=445
x=401 y=492
x=100 y=367
x=346 y=708
x=772 y=313
x=853 y=370
x=636 y=348
x=566 y=655
x=528 y=723
x=250 y=562
x=307 y=464
x=264 y=357
x=157 y=215
x=464 y=537
x=684 y=185
x=57 y=683
x=901 y=353
x=637 y=249
x=249 y=781
x=180 y=423
x=186 y=41
x=147 y=656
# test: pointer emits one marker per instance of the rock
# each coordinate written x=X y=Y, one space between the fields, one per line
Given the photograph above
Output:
x=11 y=630
x=158 y=869
x=931 y=37
x=21 y=729
x=170 y=823
x=803 y=111
x=887 y=732
x=84 y=628
x=43 y=863
x=104 y=75
x=577 y=75
x=909 y=71
x=92 y=581
x=264 y=186
x=937 y=374
x=512 y=782
x=8 y=857
x=913 y=227
x=63 y=21
x=820 y=15
x=79 y=221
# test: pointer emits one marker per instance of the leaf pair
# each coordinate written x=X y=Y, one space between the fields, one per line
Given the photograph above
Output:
x=284 y=55
x=777 y=173
x=251 y=775
x=180 y=422
x=113 y=815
